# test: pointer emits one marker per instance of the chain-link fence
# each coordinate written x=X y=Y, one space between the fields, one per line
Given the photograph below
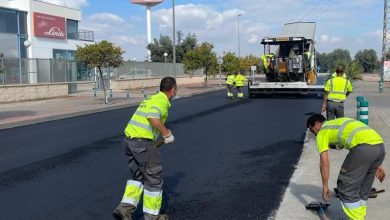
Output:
x=31 y=71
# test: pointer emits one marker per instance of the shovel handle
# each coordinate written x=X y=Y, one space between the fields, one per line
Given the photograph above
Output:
x=159 y=144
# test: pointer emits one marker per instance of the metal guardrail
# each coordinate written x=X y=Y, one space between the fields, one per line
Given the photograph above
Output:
x=31 y=71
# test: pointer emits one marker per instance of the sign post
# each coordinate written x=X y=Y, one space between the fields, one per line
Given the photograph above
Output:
x=219 y=62
x=253 y=69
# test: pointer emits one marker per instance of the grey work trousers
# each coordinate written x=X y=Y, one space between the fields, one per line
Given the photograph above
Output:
x=358 y=171
x=334 y=110
x=144 y=161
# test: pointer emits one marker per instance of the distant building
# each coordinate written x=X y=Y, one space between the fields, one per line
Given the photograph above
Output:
x=36 y=29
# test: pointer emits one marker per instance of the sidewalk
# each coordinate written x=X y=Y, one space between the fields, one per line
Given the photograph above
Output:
x=82 y=103
x=306 y=186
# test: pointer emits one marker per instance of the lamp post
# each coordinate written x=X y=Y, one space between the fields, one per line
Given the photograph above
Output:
x=174 y=38
x=165 y=57
x=238 y=34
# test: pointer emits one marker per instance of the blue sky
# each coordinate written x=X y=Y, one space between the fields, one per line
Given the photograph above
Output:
x=347 y=24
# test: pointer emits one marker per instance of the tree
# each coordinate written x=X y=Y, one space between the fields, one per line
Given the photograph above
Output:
x=354 y=70
x=100 y=55
x=248 y=61
x=323 y=61
x=165 y=45
x=368 y=59
x=2 y=71
x=230 y=63
x=201 y=57
x=159 y=47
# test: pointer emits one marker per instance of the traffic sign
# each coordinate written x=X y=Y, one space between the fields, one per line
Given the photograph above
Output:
x=219 y=60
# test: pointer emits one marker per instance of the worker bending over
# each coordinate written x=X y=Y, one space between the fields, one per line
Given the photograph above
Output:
x=363 y=162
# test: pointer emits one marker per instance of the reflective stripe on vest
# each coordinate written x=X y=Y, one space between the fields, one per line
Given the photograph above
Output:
x=340 y=128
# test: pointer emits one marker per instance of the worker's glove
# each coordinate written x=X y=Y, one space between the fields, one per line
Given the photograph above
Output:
x=169 y=138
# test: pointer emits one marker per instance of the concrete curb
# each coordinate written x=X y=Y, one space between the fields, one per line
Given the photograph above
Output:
x=103 y=108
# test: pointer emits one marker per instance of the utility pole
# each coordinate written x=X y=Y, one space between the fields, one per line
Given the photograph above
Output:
x=174 y=38
x=238 y=34
x=385 y=42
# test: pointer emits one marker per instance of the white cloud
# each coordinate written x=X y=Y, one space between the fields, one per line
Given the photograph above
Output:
x=69 y=3
x=106 y=17
x=329 y=39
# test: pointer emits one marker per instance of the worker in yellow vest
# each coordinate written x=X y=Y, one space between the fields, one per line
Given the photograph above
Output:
x=239 y=81
x=361 y=165
x=336 y=92
x=230 y=85
x=144 y=159
x=267 y=62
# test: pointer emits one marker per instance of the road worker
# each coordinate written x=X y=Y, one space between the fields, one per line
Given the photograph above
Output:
x=336 y=92
x=239 y=81
x=267 y=60
x=144 y=159
x=361 y=165
x=230 y=85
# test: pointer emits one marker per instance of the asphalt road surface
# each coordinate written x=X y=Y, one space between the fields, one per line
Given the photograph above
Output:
x=232 y=159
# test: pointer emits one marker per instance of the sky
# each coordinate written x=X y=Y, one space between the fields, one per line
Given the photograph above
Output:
x=346 y=24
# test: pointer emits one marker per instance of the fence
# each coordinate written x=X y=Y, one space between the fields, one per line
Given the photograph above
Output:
x=31 y=71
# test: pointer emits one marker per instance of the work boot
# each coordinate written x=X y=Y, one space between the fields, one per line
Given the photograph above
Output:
x=124 y=211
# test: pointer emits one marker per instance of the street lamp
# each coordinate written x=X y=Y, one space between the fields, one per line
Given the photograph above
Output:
x=165 y=56
x=238 y=34
x=174 y=38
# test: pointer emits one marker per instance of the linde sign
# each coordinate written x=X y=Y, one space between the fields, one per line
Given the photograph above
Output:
x=49 y=26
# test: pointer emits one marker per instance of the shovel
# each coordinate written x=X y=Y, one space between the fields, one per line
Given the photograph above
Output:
x=319 y=207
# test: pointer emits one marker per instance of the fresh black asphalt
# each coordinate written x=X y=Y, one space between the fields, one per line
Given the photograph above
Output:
x=232 y=159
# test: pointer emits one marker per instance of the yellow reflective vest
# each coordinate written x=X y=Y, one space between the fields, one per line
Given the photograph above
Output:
x=337 y=88
x=239 y=80
x=264 y=59
x=230 y=79
x=155 y=106
x=347 y=133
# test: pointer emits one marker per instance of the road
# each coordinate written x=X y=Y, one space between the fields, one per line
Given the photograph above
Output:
x=231 y=160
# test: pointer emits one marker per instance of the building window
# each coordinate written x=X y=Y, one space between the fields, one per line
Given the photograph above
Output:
x=8 y=21
x=72 y=29
x=64 y=54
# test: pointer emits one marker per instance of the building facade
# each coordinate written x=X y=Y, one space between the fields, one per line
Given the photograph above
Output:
x=36 y=29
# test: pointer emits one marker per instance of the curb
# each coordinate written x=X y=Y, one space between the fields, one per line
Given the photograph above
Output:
x=104 y=108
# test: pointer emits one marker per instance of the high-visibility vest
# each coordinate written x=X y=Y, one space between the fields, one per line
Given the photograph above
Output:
x=155 y=106
x=230 y=79
x=307 y=55
x=347 y=133
x=264 y=58
x=338 y=88
x=239 y=80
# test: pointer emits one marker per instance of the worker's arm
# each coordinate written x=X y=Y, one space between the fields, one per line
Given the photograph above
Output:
x=324 y=167
x=324 y=101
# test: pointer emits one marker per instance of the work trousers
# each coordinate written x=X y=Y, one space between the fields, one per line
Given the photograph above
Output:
x=144 y=162
x=356 y=177
x=229 y=89
x=240 y=94
x=334 y=110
